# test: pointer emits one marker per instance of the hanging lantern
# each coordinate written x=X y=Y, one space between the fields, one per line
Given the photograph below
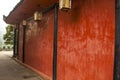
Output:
x=65 y=4
x=15 y=26
x=37 y=16
x=24 y=22
x=11 y=28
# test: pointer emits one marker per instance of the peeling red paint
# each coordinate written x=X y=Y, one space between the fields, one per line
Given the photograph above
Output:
x=86 y=41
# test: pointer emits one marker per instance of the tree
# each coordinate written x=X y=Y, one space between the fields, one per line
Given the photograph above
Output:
x=9 y=35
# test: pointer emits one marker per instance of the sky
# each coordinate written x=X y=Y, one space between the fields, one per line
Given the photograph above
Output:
x=5 y=7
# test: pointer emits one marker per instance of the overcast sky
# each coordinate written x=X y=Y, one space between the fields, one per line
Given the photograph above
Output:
x=5 y=7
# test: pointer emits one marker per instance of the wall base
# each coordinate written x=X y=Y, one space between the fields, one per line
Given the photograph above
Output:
x=42 y=75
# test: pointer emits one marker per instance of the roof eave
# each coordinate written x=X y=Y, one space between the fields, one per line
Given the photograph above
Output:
x=6 y=17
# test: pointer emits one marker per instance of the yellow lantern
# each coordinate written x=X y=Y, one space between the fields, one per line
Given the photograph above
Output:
x=24 y=22
x=37 y=16
x=65 y=4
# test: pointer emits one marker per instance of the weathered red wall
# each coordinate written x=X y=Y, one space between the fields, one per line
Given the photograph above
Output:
x=20 y=42
x=39 y=44
x=85 y=42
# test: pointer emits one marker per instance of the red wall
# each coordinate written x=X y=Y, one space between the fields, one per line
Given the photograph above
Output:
x=85 y=42
x=20 y=41
x=39 y=44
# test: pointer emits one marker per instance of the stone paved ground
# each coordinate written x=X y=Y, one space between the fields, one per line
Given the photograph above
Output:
x=11 y=70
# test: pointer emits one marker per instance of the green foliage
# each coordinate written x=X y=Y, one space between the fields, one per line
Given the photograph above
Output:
x=9 y=36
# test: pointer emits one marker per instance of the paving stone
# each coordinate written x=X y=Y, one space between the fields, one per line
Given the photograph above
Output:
x=11 y=70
